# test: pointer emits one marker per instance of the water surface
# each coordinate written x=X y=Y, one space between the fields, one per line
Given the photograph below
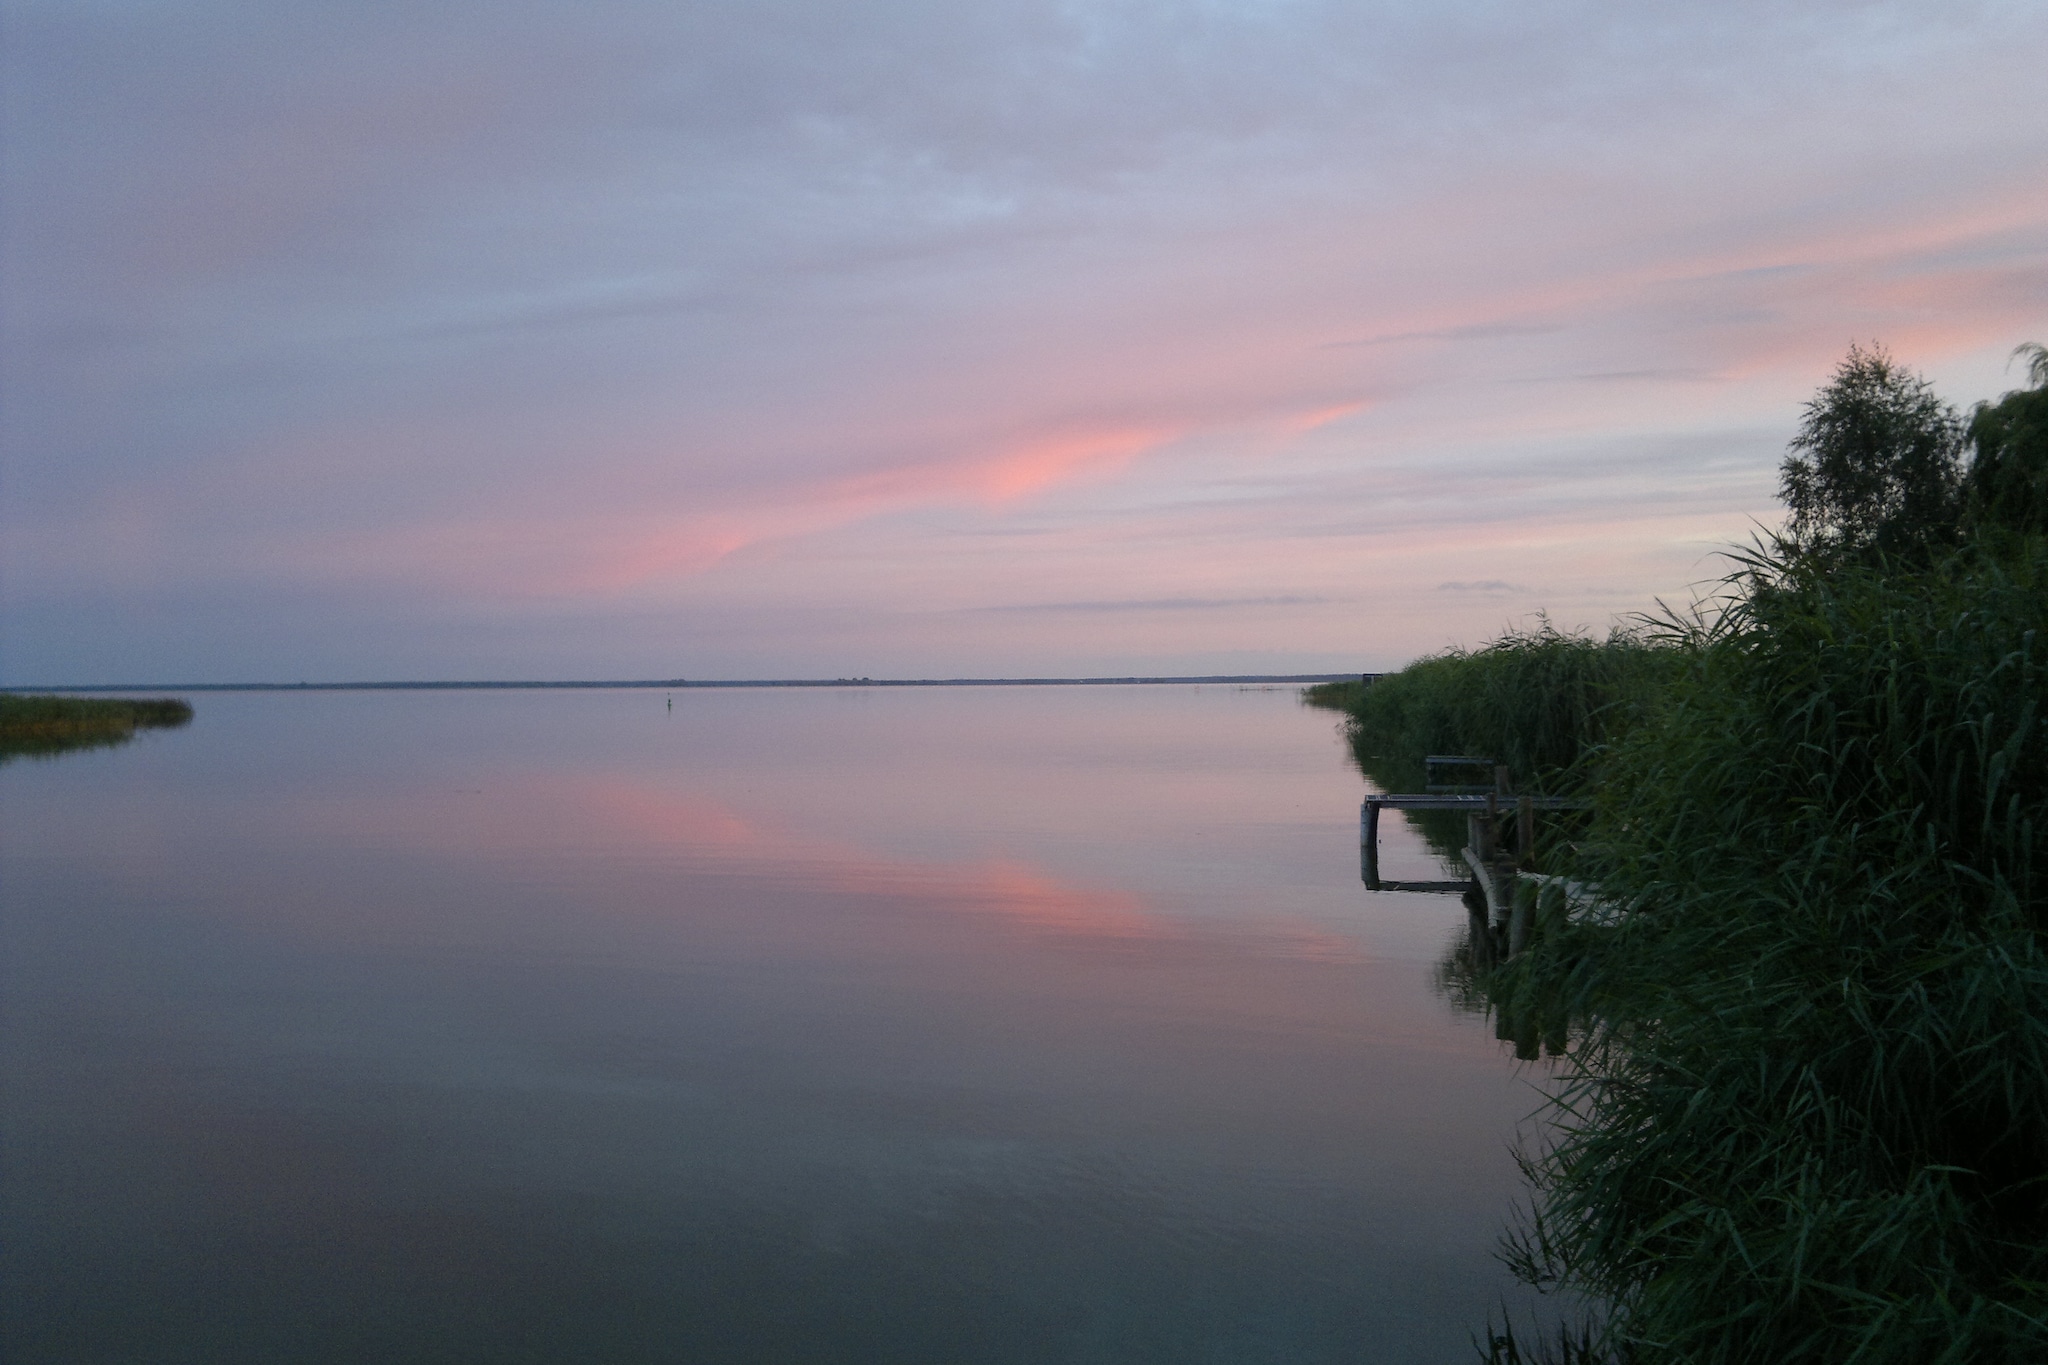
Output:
x=979 y=1025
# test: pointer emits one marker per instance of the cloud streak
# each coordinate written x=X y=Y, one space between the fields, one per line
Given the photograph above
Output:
x=1157 y=604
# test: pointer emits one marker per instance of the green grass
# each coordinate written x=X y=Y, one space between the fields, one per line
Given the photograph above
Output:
x=1540 y=701
x=1801 y=1102
x=39 y=726
x=1804 y=1113
x=1334 y=696
x=1544 y=702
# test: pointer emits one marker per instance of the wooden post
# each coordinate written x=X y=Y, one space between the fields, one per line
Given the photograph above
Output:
x=1503 y=900
x=1369 y=844
x=1518 y=923
x=1489 y=881
x=1525 y=832
x=1481 y=927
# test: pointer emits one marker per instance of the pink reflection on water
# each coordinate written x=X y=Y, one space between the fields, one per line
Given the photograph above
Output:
x=632 y=823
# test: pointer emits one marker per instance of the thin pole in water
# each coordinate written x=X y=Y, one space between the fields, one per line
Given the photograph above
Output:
x=1369 y=844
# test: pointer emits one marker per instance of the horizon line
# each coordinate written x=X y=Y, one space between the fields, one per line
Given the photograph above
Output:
x=678 y=684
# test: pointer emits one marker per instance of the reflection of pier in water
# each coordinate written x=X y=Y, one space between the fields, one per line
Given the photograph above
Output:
x=1490 y=891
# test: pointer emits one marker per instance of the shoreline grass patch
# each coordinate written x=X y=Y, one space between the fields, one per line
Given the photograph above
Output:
x=1545 y=702
x=1795 y=970
x=1804 y=1115
x=1542 y=701
x=36 y=726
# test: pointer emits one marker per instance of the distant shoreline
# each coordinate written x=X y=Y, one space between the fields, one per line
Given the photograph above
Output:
x=680 y=684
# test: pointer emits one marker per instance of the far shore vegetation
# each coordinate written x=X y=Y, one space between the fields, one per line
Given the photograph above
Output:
x=1796 y=981
x=41 y=726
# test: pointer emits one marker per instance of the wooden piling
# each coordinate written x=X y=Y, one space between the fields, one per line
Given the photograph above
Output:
x=1485 y=837
x=1518 y=921
x=1480 y=926
x=1489 y=880
x=1369 y=844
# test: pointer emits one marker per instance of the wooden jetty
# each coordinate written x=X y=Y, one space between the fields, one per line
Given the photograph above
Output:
x=1494 y=869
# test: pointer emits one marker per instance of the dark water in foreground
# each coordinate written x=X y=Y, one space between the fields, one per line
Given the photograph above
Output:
x=991 y=1025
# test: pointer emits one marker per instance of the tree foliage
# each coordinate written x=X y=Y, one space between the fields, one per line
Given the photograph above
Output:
x=1877 y=464
x=2008 y=481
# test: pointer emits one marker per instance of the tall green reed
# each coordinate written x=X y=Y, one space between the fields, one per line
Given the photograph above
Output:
x=1544 y=702
x=1539 y=701
x=1804 y=1111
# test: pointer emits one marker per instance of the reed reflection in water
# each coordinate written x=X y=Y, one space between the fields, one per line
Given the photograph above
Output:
x=992 y=1025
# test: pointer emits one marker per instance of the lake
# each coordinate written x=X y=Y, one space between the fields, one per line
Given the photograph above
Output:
x=924 y=1025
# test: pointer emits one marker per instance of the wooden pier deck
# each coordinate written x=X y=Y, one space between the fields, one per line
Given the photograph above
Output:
x=1489 y=894
x=1487 y=809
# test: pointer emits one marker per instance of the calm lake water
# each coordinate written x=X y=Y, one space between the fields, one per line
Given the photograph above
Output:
x=976 y=1025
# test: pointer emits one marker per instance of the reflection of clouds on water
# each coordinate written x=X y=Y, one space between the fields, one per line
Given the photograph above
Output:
x=1040 y=1024
x=688 y=834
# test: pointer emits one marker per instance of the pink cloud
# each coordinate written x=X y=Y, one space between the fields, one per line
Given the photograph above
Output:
x=540 y=554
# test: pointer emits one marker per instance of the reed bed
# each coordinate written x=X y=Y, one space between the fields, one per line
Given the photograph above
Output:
x=1804 y=1110
x=1541 y=701
x=39 y=725
x=1544 y=702
x=1801 y=1108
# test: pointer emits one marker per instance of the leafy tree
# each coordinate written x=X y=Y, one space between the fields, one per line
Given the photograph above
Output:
x=2008 y=480
x=1877 y=463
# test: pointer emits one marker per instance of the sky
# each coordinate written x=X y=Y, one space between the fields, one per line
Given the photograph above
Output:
x=927 y=338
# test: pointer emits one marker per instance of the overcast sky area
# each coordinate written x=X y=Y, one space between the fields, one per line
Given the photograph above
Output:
x=632 y=338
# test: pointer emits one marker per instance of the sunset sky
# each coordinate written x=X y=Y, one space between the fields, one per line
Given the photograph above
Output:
x=915 y=338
